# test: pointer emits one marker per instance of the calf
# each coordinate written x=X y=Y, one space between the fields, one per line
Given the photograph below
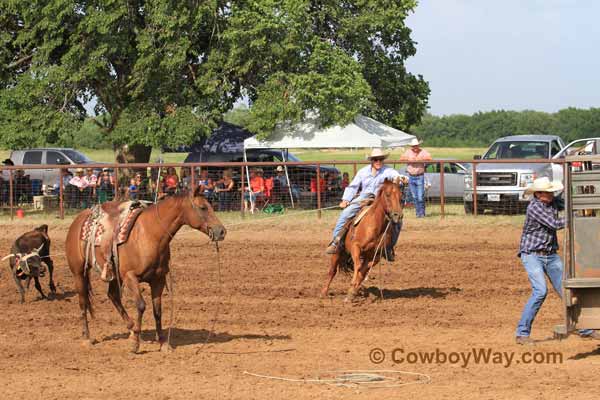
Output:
x=29 y=251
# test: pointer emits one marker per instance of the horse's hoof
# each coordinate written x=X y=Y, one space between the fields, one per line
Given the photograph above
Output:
x=135 y=346
x=166 y=348
x=88 y=343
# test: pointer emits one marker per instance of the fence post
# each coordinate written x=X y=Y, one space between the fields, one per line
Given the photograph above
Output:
x=243 y=192
x=475 y=189
x=11 y=192
x=193 y=177
x=61 y=193
x=442 y=190
x=354 y=169
x=319 y=191
x=117 y=183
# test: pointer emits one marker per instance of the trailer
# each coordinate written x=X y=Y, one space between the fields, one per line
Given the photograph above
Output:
x=581 y=250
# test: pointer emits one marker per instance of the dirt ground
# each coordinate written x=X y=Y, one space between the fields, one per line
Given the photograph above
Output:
x=457 y=286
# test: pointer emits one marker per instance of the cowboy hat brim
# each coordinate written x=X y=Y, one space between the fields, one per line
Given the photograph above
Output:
x=384 y=156
x=554 y=187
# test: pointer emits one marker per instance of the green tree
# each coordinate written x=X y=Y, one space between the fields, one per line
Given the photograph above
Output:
x=163 y=72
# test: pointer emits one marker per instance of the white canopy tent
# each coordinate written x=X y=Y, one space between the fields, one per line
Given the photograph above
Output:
x=362 y=132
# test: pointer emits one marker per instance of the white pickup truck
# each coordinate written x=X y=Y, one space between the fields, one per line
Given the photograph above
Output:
x=501 y=187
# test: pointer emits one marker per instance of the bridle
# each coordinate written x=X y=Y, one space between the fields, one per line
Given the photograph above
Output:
x=387 y=211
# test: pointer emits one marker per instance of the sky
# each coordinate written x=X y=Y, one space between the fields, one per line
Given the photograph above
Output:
x=481 y=55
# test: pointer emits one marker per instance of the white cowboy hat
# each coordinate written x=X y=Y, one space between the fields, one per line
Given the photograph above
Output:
x=377 y=153
x=544 y=184
x=415 y=142
x=279 y=168
x=78 y=170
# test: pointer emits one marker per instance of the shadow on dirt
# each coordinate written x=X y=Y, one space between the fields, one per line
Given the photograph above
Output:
x=61 y=296
x=411 y=293
x=581 y=356
x=188 y=337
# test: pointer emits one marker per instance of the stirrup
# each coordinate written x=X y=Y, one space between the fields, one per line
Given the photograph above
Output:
x=332 y=248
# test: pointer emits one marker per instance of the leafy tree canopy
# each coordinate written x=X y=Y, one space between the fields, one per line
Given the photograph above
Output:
x=482 y=128
x=164 y=71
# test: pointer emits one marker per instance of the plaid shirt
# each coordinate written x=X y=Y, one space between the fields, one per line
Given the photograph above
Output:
x=541 y=223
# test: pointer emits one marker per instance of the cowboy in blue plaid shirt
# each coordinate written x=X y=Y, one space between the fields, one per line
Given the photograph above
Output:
x=537 y=251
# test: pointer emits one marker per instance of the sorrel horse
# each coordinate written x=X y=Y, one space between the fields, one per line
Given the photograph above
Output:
x=364 y=243
x=144 y=257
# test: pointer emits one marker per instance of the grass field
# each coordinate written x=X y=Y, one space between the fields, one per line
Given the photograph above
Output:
x=461 y=153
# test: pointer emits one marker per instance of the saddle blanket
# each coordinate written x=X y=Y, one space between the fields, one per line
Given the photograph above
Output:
x=127 y=215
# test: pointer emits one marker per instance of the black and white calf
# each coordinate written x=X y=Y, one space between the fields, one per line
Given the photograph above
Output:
x=28 y=253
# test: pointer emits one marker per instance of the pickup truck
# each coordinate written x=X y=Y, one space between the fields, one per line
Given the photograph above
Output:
x=501 y=187
x=49 y=156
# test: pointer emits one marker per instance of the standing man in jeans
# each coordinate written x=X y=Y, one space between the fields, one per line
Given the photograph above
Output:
x=537 y=251
x=416 y=174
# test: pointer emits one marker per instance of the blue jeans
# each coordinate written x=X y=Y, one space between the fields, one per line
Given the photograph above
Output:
x=538 y=267
x=349 y=212
x=417 y=190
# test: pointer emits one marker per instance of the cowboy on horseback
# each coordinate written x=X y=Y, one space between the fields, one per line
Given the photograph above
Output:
x=368 y=179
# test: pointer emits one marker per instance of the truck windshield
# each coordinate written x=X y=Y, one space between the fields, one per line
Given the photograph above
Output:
x=504 y=150
x=77 y=157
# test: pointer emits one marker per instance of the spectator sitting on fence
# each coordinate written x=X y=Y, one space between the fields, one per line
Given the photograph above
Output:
x=105 y=188
x=171 y=182
x=255 y=192
x=207 y=183
x=224 y=191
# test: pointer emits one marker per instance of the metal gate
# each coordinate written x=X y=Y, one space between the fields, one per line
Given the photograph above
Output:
x=581 y=279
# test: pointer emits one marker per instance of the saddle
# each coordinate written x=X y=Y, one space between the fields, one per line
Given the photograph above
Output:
x=109 y=225
x=365 y=207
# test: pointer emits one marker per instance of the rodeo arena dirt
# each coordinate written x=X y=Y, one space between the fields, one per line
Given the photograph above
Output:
x=246 y=320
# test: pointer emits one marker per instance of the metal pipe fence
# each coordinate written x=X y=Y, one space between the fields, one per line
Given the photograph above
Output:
x=452 y=187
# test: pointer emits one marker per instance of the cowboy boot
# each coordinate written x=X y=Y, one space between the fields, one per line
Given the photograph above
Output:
x=334 y=245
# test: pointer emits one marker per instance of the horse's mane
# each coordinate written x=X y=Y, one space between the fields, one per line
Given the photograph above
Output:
x=388 y=182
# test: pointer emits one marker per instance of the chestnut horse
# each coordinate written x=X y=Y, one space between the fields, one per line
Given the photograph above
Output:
x=144 y=257
x=364 y=243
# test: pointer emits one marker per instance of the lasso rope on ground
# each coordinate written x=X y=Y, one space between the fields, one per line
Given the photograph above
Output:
x=364 y=379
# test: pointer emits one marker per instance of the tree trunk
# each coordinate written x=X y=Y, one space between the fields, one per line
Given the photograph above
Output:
x=126 y=154
x=136 y=153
